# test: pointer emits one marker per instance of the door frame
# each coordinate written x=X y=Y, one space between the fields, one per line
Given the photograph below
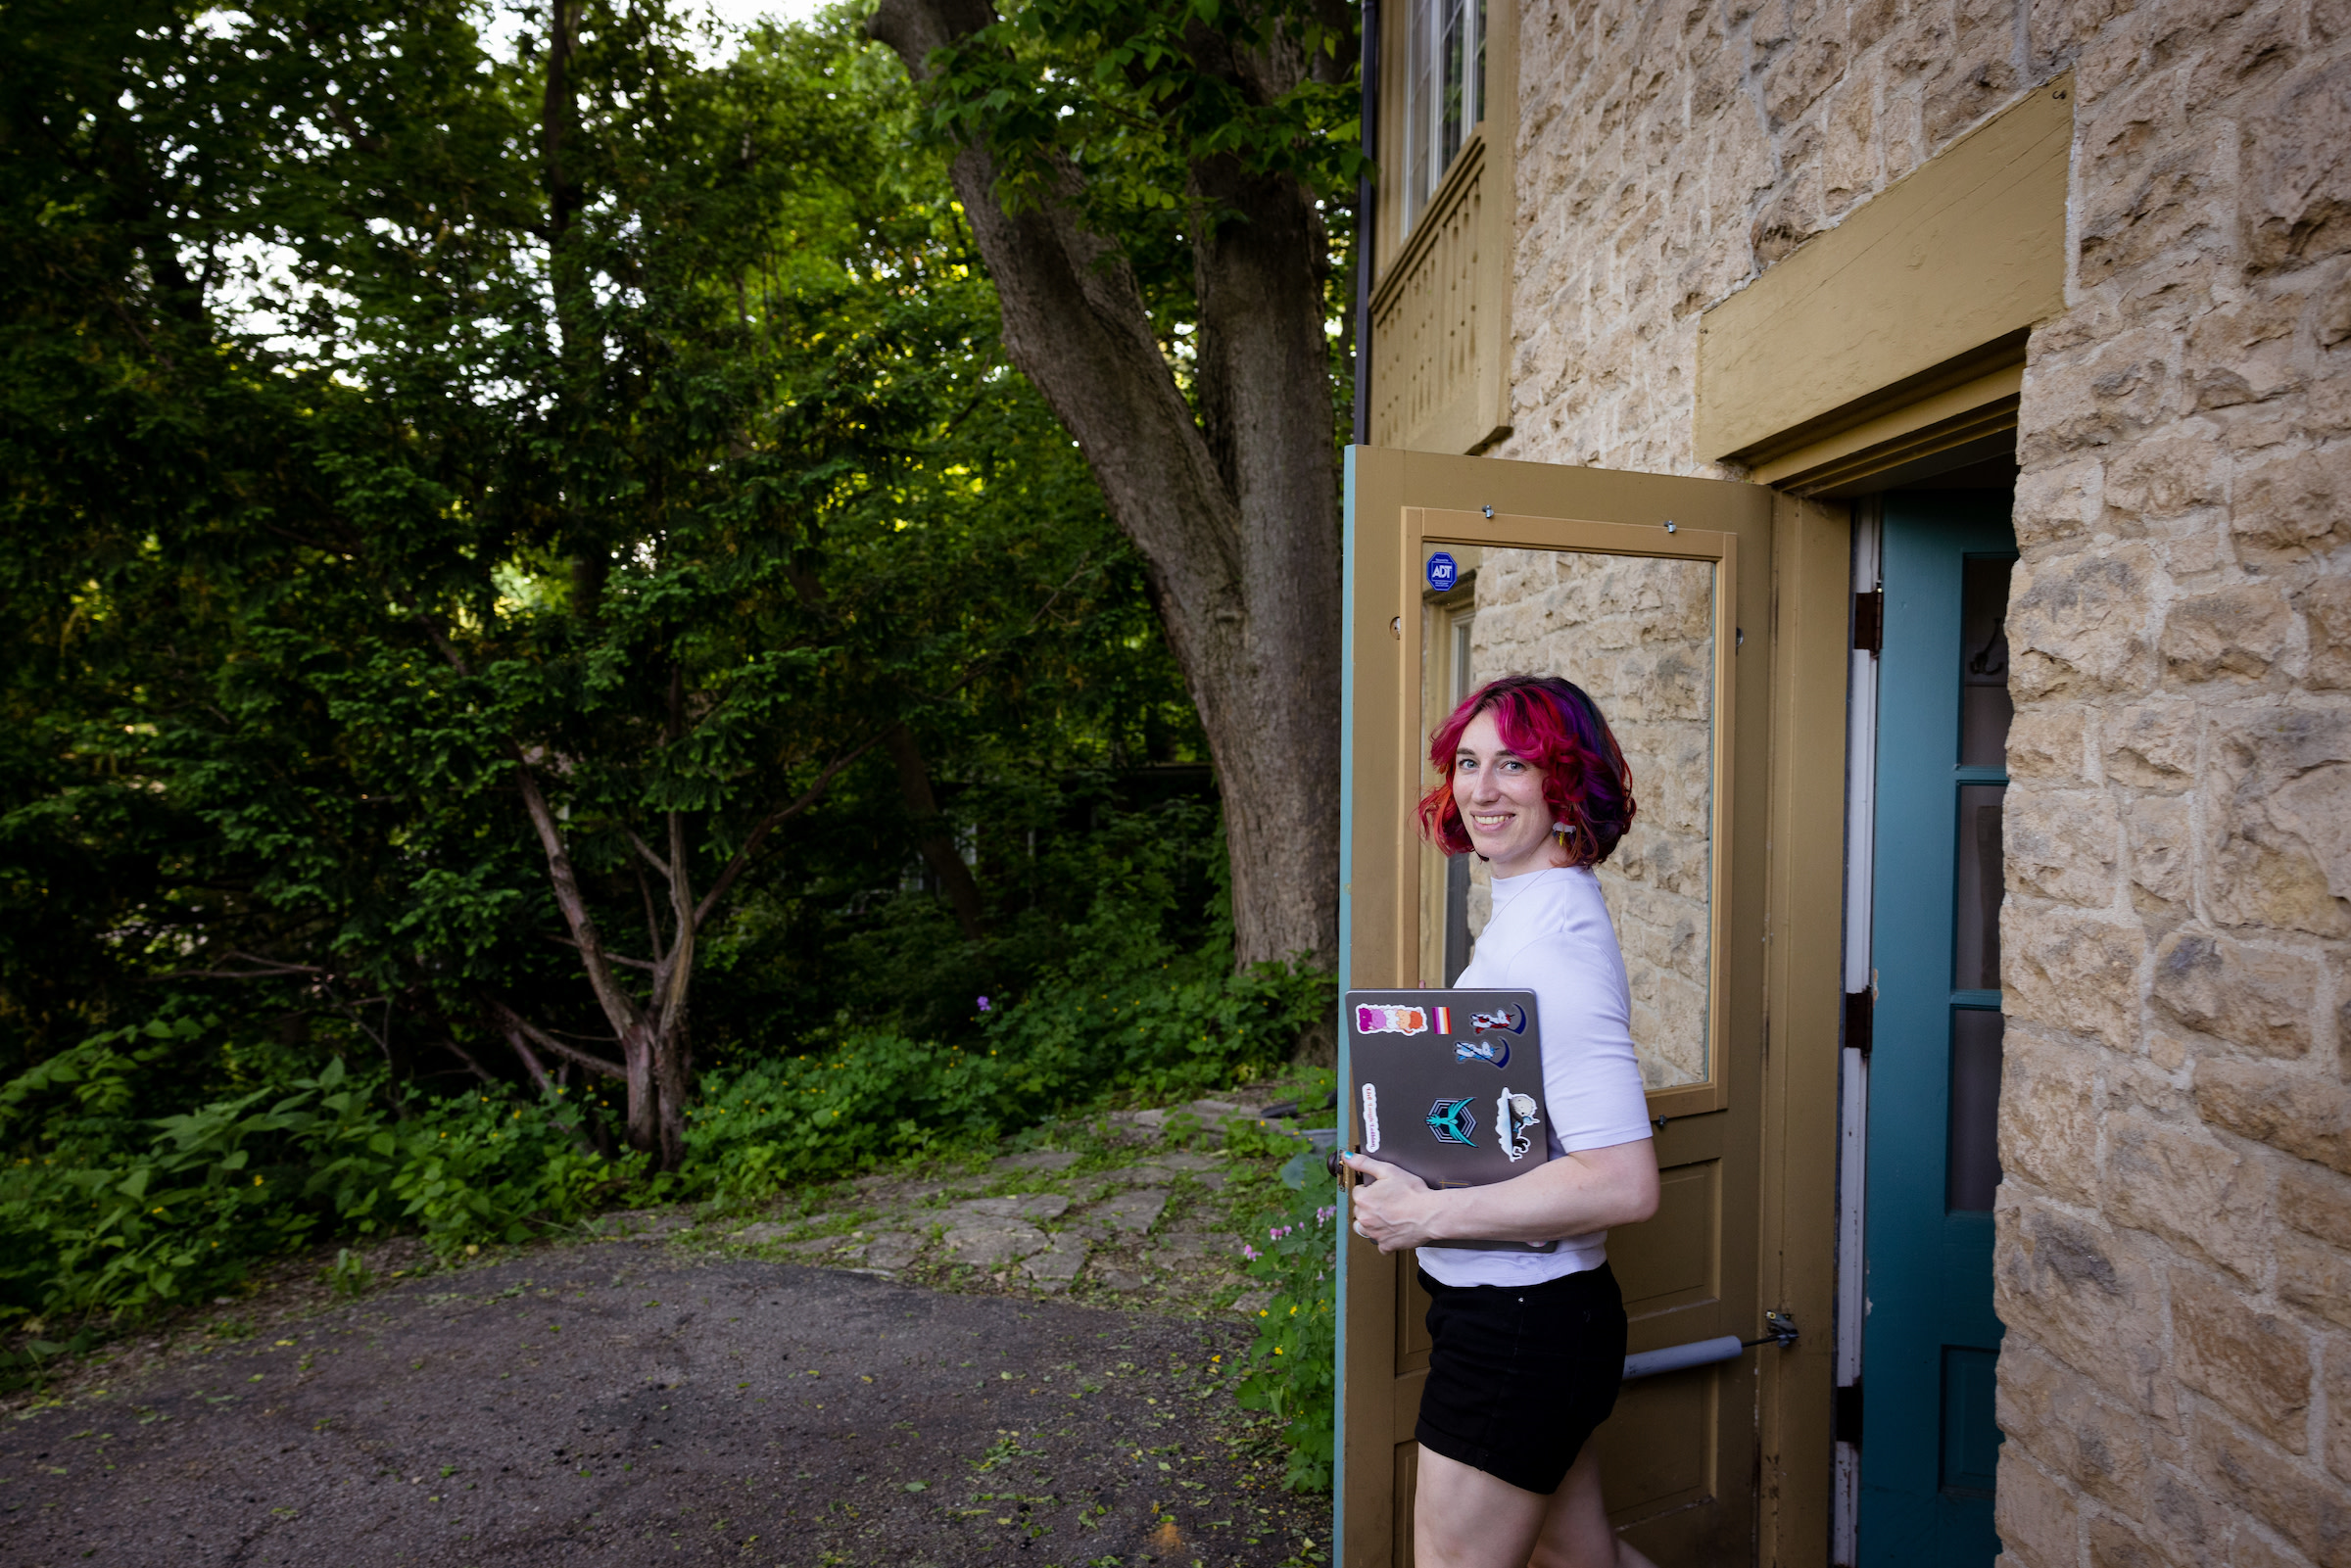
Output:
x=1781 y=959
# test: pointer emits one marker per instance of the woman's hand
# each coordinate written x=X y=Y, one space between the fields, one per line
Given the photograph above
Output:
x=1396 y=1208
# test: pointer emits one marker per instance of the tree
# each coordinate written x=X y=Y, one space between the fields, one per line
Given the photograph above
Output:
x=1101 y=148
x=612 y=460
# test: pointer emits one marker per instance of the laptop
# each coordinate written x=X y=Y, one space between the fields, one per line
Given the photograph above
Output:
x=1449 y=1085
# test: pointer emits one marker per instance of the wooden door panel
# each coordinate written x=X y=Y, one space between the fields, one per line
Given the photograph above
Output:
x=1680 y=1458
x=1408 y=1475
x=1671 y=1270
x=1657 y=1453
x=1413 y=1343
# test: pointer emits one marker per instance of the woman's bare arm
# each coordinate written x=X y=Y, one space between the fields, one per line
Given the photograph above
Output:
x=1588 y=1190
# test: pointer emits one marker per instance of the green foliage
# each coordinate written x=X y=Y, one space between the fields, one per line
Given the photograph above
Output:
x=1293 y=1366
x=144 y=1215
x=877 y=1097
x=368 y=462
x=121 y=1215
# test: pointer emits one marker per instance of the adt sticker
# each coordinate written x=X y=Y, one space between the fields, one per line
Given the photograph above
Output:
x=1443 y=572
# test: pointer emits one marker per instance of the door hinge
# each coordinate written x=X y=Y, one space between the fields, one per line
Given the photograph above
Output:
x=1844 y=1415
x=1859 y=1014
x=1869 y=621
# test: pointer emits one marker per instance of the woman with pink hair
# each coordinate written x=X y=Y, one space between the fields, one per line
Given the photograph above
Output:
x=1529 y=1347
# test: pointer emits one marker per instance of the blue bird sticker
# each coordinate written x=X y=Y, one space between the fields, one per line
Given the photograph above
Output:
x=1453 y=1122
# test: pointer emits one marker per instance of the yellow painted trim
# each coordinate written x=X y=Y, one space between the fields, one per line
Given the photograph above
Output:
x=1967 y=250
x=1811 y=589
x=1915 y=430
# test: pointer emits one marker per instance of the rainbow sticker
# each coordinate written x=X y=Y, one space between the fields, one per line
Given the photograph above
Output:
x=1391 y=1020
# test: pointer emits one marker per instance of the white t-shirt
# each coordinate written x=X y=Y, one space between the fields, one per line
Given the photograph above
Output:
x=1550 y=935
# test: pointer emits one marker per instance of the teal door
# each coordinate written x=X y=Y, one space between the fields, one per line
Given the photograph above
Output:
x=1929 y=1441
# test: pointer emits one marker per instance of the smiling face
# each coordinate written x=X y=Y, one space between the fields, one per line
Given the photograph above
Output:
x=1502 y=804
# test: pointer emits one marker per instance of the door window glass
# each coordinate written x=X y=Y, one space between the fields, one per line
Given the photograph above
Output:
x=1972 y=1165
x=1638 y=633
x=1985 y=707
x=1978 y=884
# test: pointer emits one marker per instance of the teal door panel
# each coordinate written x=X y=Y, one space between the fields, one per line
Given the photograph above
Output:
x=1930 y=1341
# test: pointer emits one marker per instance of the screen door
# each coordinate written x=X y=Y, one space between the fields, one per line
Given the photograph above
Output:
x=1653 y=593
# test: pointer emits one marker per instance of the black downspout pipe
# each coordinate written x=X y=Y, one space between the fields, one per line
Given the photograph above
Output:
x=1367 y=220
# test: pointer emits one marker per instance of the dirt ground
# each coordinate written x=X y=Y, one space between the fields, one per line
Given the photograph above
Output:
x=1041 y=1375
x=615 y=1402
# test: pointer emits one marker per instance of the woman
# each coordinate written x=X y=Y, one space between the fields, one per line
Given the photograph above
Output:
x=1529 y=1347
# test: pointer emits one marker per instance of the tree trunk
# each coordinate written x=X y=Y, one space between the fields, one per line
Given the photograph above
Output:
x=931 y=832
x=1236 y=514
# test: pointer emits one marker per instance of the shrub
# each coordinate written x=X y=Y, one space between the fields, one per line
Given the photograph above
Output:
x=116 y=1215
x=1293 y=1364
x=877 y=1097
x=181 y=1207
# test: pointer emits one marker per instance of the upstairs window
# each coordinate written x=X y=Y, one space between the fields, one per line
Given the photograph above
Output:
x=1445 y=97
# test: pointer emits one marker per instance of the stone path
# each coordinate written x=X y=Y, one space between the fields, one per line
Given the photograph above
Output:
x=1115 y=1218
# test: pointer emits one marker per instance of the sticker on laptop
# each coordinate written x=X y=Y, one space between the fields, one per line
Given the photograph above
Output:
x=1509 y=1019
x=1514 y=1115
x=1397 y=1019
x=1493 y=1053
x=1453 y=1122
x=1370 y=1120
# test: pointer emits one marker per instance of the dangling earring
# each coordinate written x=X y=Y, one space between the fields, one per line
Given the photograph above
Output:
x=1563 y=831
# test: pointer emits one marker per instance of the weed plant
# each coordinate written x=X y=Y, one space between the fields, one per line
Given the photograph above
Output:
x=1293 y=1363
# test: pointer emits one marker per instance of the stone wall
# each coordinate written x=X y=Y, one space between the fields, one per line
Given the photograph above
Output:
x=1669 y=153
x=2175 y=1235
x=1639 y=636
x=2174 y=1256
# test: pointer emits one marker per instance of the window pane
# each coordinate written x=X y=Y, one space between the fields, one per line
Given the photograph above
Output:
x=1976 y=921
x=1419 y=109
x=1972 y=1161
x=1985 y=707
x=1456 y=68
x=1477 y=76
x=1639 y=635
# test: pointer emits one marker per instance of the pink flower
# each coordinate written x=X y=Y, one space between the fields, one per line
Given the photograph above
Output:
x=1250 y=1252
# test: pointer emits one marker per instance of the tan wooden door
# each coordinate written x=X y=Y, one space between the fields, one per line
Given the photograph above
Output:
x=1654 y=593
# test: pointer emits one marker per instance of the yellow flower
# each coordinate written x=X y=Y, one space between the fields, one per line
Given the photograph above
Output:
x=257 y=1181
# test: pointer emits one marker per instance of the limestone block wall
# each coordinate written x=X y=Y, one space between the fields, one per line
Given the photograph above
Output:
x=2175 y=1232
x=2173 y=1253
x=1667 y=153
x=1639 y=636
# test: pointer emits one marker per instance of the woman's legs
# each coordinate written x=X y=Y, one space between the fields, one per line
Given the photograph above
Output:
x=1466 y=1518
x=1575 y=1526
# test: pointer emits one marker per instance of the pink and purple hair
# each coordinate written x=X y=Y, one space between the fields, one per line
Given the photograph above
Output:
x=1553 y=727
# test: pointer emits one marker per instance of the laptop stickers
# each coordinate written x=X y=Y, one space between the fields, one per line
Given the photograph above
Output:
x=1449 y=1085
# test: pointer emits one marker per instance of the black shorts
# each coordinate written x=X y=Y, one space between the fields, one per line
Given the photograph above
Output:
x=1521 y=1375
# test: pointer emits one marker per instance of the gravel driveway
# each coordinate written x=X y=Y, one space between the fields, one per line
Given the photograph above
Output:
x=625 y=1403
